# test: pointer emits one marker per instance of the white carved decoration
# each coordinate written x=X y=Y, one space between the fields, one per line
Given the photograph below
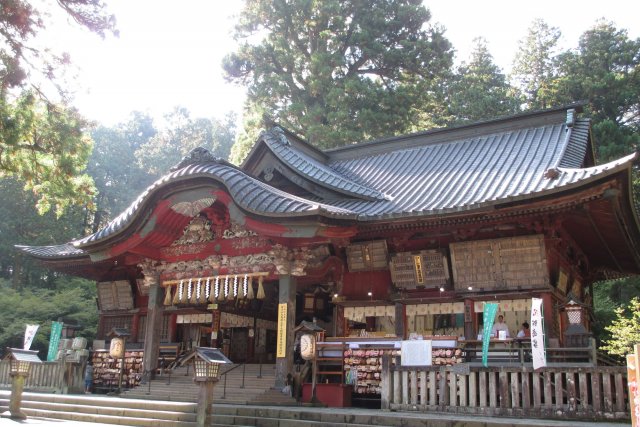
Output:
x=197 y=231
x=192 y=209
x=237 y=231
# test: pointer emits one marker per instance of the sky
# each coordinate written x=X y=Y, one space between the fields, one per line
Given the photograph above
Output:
x=169 y=53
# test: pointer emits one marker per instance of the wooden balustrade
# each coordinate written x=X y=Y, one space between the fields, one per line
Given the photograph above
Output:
x=48 y=377
x=597 y=393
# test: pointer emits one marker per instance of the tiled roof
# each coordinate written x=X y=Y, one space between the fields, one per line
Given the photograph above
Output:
x=247 y=192
x=469 y=173
x=66 y=251
x=314 y=170
x=421 y=175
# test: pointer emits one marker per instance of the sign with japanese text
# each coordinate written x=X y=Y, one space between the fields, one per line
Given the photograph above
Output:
x=54 y=341
x=488 y=316
x=538 y=352
x=281 y=348
x=29 y=334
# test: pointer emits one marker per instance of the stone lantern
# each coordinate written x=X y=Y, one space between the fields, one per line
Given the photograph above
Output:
x=19 y=365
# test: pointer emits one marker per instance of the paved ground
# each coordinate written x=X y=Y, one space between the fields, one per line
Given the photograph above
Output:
x=47 y=422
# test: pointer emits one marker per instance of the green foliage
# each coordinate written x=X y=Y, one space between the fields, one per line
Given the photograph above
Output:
x=339 y=71
x=114 y=167
x=45 y=147
x=625 y=330
x=480 y=91
x=42 y=142
x=20 y=224
x=74 y=302
x=23 y=60
x=605 y=71
x=183 y=134
x=534 y=70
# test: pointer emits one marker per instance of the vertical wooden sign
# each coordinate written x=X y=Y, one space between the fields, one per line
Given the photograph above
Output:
x=281 y=349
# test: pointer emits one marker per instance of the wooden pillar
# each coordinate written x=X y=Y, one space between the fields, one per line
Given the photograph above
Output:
x=399 y=321
x=135 y=325
x=154 y=324
x=339 y=321
x=286 y=295
x=172 y=327
x=469 y=320
x=549 y=312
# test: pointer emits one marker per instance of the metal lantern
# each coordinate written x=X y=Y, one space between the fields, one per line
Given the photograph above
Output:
x=207 y=363
x=574 y=313
x=20 y=361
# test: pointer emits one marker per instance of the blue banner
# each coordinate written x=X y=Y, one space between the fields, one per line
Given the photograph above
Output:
x=488 y=316
x=54 y=341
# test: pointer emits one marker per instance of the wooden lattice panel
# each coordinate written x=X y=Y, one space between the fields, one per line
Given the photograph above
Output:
x=115 y=295
x=425 y=268
x=510 y=263
x=368 y=256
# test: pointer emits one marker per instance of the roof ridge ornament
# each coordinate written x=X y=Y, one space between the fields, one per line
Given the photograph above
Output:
x=571 y=117
x=197 y=155
x=280 y=133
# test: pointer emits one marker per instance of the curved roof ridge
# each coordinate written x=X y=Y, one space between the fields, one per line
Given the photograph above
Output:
x=314 y=170
x=277 y=203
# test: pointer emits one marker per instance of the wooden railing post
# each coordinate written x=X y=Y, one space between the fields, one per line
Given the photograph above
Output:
x=386 y=382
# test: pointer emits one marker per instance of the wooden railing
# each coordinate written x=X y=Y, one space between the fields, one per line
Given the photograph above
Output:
x=597 y=393
x=54 y=377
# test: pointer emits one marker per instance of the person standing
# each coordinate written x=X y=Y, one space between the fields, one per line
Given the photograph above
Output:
x=88 y=377
x=500 y=326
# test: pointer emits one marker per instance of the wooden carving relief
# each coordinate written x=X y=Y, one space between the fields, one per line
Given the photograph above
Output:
x=510 y=263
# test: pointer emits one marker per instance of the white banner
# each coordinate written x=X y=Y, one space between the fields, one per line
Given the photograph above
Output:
x=29 y=333
x=538 y=352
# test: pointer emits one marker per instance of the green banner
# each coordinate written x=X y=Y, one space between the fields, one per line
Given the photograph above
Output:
x=488 y=316
x=54 y=340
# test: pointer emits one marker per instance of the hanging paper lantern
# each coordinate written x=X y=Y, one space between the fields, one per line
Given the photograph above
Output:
x=250 y=288
x=167 y=295
x=260 y=294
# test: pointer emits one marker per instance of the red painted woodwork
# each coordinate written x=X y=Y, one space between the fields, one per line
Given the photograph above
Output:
x=357 y=285
x=332 y=395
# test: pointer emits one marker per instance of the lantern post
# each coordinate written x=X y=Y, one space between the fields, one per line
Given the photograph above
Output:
x=117 y=349
x=19 y=365
x=206 y=372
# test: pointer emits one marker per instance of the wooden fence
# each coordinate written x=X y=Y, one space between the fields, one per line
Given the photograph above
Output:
x=596 y=393
x=53 y=377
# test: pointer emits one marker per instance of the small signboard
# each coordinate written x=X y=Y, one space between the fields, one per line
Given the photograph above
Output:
x=416 y=353
x=281 y=344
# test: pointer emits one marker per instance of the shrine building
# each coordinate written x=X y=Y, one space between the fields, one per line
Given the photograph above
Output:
x=399 y=237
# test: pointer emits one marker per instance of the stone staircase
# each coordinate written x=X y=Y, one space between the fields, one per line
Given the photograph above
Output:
x=104 y=409
x=179 y=386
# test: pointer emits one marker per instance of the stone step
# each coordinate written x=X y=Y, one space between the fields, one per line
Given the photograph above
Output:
x=228 y=420
x=107 y=410
x=107 y=419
